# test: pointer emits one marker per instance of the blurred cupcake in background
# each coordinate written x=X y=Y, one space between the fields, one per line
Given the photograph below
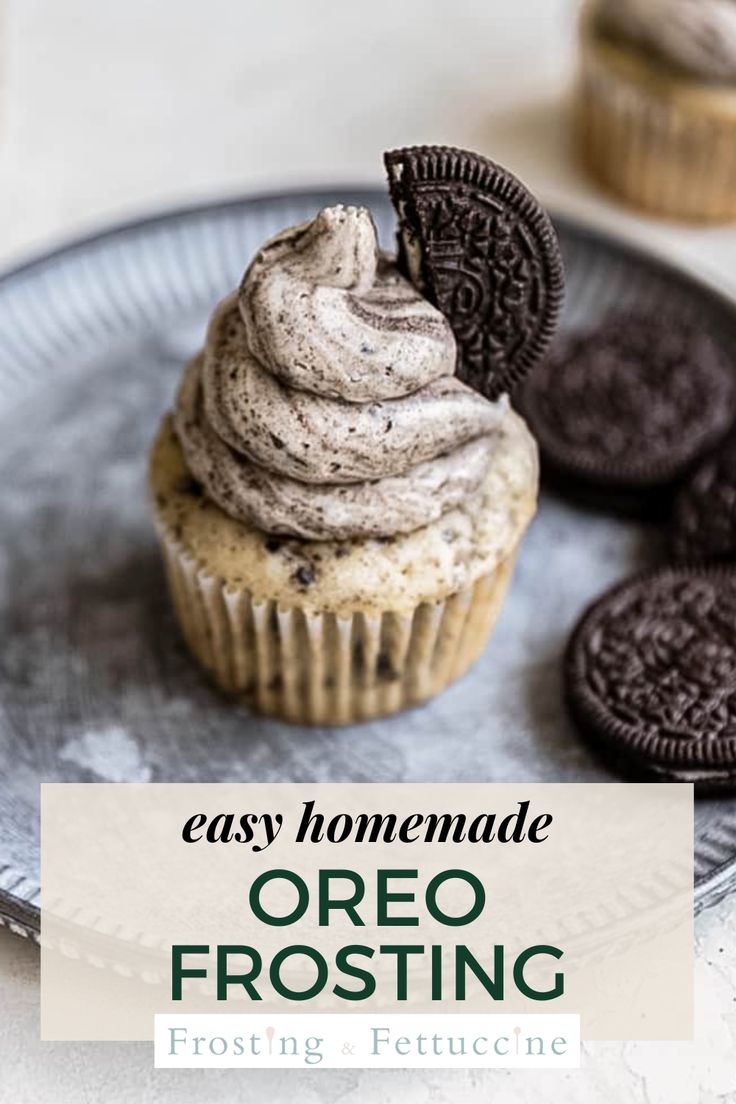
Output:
x=656 y=104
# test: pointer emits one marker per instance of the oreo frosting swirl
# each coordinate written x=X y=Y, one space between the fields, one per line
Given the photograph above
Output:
x=324 y=404
x=697 y=36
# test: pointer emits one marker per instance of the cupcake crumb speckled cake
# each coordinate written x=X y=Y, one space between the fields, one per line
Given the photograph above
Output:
x=339 y=513
x=656 y=104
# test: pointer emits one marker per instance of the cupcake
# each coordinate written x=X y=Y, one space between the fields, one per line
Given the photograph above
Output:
x=339 y=513
x=656 y=104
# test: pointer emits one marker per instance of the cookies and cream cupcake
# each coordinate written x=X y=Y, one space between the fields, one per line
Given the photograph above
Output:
x=656 y=105
x=339 y=513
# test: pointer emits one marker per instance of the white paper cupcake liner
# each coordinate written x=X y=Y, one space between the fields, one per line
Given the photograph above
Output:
x=320 y=668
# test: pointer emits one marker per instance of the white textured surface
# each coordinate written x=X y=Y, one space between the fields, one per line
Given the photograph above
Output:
x=106 y=109
x=701 y=1072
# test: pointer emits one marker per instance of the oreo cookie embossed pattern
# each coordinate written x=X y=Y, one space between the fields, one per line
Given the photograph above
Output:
x=484 y=251
x=703 y=523
x=631 y=405
x=650 y=676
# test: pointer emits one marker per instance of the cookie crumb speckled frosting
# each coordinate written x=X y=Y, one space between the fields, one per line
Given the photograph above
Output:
x=324 y=404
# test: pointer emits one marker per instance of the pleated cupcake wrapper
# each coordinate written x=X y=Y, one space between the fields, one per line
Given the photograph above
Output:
x=321 y=668
x=673 y=156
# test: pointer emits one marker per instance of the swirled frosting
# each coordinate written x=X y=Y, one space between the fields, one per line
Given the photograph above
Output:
x=324 y=404
x=698 y=36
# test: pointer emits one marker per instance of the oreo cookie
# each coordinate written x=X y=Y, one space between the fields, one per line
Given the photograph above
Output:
x=650 y=676
x=475 y=241
x=630 y=407
x=703 y=523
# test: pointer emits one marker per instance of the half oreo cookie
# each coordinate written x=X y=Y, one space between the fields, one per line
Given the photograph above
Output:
x=650 y=675
x=477 y=243
x=631 y=406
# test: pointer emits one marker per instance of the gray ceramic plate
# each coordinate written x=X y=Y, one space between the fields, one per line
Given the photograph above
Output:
x=94 y=681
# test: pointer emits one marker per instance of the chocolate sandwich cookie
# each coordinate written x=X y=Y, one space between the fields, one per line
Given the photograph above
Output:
x=703 y=525
x=631 y=406
x=479 y=246
x=650 y=674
